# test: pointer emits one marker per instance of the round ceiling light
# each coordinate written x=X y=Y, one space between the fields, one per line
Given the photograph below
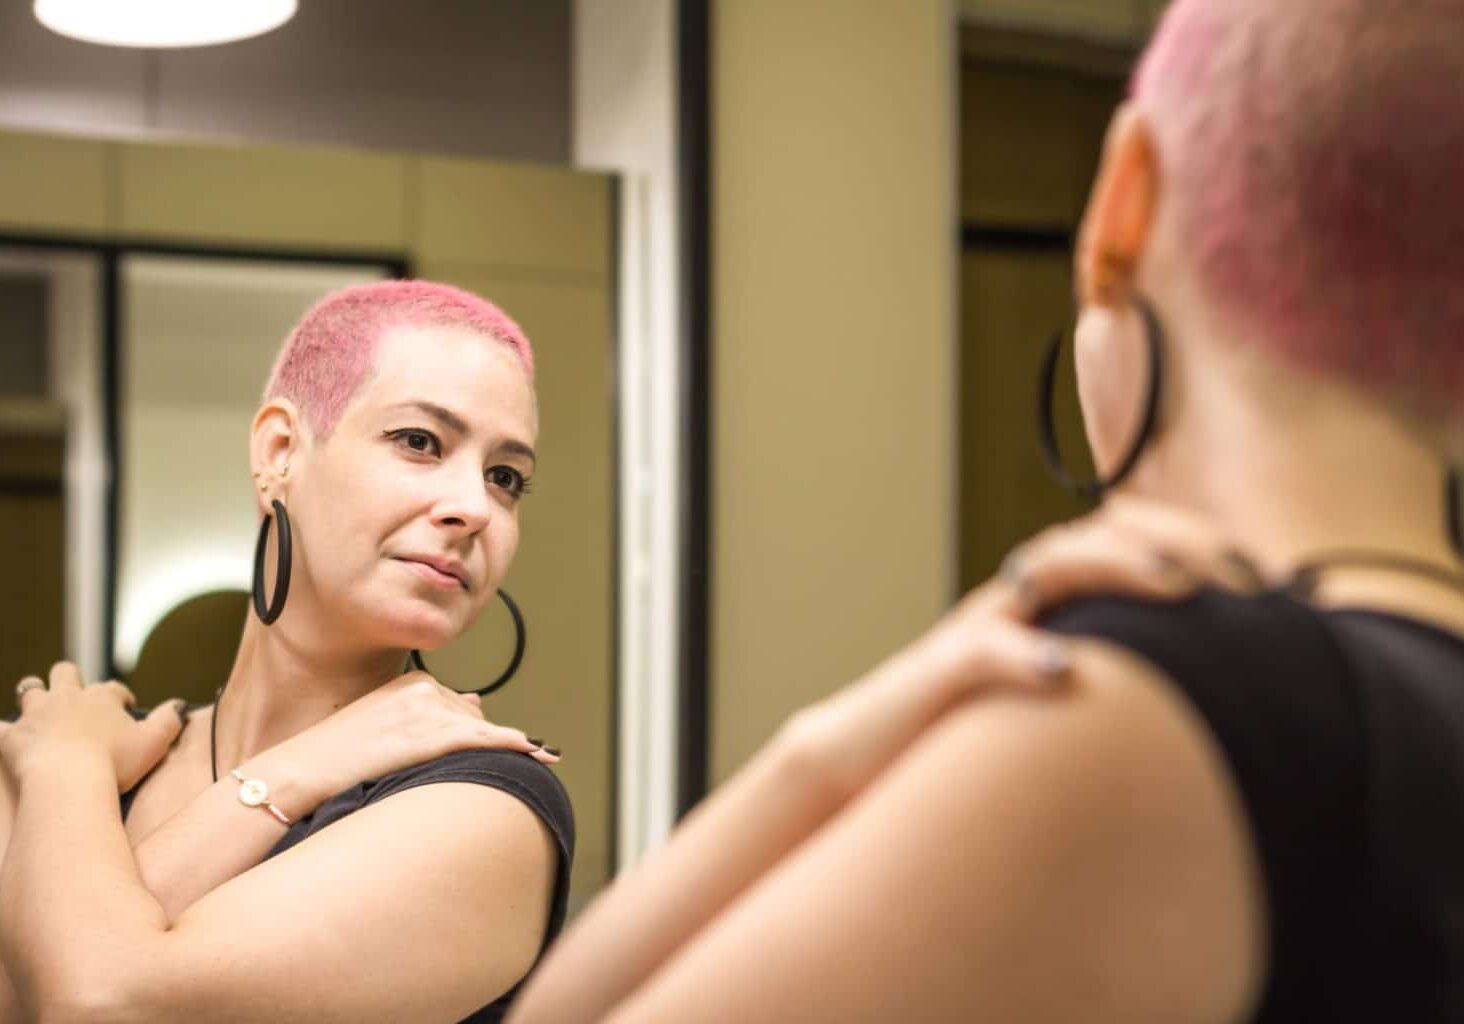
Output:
x=163 y=23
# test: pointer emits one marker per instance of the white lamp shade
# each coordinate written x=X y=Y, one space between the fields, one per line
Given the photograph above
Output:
x=163 y=23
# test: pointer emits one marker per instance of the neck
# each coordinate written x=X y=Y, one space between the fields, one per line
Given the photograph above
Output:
x=280 y=686
x=1292 y=468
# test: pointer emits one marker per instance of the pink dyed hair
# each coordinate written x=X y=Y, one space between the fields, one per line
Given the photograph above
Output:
x=1315 y=150
x=330 y=351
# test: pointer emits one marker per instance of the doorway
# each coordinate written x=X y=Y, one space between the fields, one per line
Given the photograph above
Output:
x=1033 y=115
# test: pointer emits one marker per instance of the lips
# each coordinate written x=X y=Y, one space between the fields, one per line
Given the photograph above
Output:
x=443 y=569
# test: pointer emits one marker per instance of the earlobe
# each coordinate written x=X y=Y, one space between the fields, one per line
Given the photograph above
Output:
x=1120 y=213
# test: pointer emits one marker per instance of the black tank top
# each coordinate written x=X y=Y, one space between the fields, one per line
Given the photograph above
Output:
x=516 y=774
x=1344 y=735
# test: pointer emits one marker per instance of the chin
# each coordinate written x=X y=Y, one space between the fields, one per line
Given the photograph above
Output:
x=412 y=624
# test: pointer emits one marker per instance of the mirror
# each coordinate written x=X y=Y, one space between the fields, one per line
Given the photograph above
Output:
x=141 y=366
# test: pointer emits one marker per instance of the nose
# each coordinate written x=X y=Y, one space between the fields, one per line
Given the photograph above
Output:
x=465 y=506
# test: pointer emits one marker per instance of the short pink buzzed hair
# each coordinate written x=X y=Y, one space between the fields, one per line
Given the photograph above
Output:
x=332 y=349
x=1315 y=152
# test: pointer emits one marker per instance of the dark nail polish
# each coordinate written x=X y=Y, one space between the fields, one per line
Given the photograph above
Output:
x=1174 y=568
x=536 y=742
x=1053 y=663
x=1248 y=570
x=550 y=750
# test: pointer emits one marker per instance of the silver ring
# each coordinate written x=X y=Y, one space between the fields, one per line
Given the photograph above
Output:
x=26 y=685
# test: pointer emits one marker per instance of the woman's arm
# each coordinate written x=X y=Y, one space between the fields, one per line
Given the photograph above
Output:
x=214 y=837
x=380 y=917
x=827 y=754
x=1083 y=859
x=10 y=1010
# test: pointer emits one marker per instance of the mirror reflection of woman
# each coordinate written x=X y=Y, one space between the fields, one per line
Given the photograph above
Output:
x=333 y=839
x=1242 y=806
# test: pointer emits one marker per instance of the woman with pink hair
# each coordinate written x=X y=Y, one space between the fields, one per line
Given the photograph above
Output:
x=1242 y=806
x=391 y=453
x=332 y=839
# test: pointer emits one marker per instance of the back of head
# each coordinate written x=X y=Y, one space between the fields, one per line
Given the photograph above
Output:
x=331 y=350
x=1314 y=154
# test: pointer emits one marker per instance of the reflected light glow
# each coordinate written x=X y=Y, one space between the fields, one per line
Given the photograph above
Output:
x=163 y=23
x=148 y=598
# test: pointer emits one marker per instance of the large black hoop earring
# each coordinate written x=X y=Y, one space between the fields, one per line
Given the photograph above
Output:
x=1047 y=428
x=282 y=566
x=1452 y=509
x=521 y=640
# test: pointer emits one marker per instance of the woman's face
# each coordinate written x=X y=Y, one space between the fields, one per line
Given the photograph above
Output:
x=426 y=468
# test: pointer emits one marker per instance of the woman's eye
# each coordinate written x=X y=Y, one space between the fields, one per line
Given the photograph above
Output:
x=419 y=441
x=508 y=478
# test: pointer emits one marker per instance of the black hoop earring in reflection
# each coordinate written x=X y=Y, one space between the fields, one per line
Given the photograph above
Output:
x=521 y=640
x=276 y=605
x=1047 y=428
x=1452 y=503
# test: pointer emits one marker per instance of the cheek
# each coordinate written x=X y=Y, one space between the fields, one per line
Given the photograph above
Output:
x=503 y=542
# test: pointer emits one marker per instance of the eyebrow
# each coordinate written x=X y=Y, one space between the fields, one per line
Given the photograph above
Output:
x=455 y=422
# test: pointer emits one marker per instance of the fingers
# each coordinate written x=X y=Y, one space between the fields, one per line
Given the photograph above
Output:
x=498 y=737
x=64 y=675
x=158 y=732
x=28 y=690
x=469 y=703
x=117 y=691
x=982 y=653
x=480 y=732
x=1093 y=557
x=1130 y=546
x=164 y=723
x=1187 y=540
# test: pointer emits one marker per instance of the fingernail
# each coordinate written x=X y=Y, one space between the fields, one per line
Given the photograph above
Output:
x=1248 y=569
x=1171 y=567
x=1053 y=662
x=550 y=750
x=181 y=707
x=536 y=742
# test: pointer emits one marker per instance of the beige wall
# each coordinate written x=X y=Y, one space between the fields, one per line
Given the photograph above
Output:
x=833 y=253
x=537 y=240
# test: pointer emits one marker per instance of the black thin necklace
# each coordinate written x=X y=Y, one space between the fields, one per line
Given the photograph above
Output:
x=1304 y=580
x=213 y=734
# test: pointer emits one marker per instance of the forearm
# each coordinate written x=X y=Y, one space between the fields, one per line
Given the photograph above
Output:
x=786 y=793
x=10 y=1008
x=723 y=846
x=70 y=935
x=215 y=837
x=211 y=840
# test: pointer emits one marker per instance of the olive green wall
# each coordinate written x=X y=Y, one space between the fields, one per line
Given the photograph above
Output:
x=833 y=256
x=534 y=239
x=1116 y=20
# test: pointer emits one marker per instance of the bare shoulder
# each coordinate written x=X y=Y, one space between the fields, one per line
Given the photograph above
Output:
x=1078 y=858
x=1120 y=792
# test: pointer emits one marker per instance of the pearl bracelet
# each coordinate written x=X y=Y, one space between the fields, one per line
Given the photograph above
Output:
x=255 y=793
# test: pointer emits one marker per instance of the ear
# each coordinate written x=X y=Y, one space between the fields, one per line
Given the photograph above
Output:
x=276 y=435
x=1120 y=213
